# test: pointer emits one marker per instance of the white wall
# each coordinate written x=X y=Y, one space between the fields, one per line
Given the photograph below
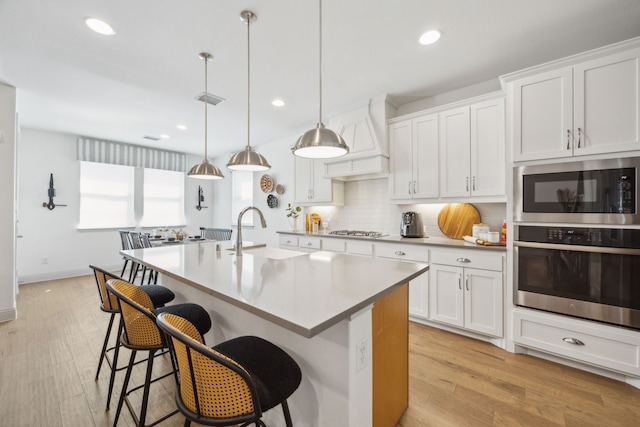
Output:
x=52 y=235
x=7 y=207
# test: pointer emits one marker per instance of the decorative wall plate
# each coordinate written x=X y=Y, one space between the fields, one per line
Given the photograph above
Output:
x=272 y=201
x=280 y=189
x=266 y=183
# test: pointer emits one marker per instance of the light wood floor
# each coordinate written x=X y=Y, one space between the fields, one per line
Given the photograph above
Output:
x=49 y=355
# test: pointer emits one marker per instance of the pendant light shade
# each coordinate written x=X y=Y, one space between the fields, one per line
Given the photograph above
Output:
x=248 y=159
x=320 y=142
x=204 y=169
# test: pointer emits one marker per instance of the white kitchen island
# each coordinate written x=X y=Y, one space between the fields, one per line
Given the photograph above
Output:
x=343 y=318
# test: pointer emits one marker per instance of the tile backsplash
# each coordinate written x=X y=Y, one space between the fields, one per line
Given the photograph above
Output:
x=367 y=208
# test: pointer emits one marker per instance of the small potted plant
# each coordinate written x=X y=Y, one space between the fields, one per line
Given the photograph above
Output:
x=293 y=212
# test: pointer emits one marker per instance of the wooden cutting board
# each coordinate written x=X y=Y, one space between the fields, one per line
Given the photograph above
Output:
x=456 y=219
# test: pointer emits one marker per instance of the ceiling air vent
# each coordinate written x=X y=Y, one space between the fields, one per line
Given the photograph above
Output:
x=211 y=99
x=152 y=138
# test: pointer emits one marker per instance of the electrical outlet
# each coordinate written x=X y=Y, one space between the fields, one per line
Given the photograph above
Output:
x=45 y=260
x=361 y=355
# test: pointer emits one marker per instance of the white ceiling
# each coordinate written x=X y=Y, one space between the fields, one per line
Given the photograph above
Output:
x=143 y=80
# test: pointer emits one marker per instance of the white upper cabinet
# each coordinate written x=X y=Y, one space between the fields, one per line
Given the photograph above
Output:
x=591 y=107
x=311 y=188
x=413 y=145
x=472 y=150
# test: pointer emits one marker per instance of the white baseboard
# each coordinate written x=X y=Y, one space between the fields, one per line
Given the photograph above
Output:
x=33 y=278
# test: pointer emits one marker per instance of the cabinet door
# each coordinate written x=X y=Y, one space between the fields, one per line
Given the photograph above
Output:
x=400 y=162
x=302 y=179
x=488 y=161
x=606 y=109
x=320 y=187
x=483 y=301
x=542 y=116
x=455 y=179
x=425 y=157
x=419 y=296
x=446 y=299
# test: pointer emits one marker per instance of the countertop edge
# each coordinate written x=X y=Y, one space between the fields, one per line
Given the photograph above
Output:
x=419 y=241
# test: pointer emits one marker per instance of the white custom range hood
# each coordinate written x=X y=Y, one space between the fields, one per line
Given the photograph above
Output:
x=364 y=128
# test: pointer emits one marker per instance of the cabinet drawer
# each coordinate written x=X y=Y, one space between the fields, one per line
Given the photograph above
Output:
x=309 y=243
x=595 y=344
x=360 y=248
x=403 y=252
x=288 y=240
x=334 y=245
x=467 y=258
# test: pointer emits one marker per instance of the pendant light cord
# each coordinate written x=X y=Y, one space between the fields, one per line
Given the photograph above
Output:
x=320 y=61
x=248 y=81
x=206 y=92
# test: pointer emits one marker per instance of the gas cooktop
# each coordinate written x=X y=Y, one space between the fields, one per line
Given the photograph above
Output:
x=357 y=233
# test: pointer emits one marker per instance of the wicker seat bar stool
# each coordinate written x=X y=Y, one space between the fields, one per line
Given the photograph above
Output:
x=140 y=333
x=232 y=383
x=109 y=304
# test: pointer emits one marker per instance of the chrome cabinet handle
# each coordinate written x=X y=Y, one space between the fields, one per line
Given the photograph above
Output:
x=459 y=281
x=579 y=135
x=409 y=188
x=574 y=341
x=309 y=243
x=463 y=260
x=399 y=253
x=467 y=183
x=473 y=186
x=466 y=282
x=568 y=139
x=414 y=187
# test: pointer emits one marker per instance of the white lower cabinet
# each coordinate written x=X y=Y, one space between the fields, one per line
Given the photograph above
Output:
x=418 y=287
x=596 y=344
x=466 y=290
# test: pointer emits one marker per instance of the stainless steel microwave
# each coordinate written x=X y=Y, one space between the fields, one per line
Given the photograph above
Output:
x=583 y=192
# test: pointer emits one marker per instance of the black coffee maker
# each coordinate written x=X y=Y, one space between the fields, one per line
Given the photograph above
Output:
x=411 y=225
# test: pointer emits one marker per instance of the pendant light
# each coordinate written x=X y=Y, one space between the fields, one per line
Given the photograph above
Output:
x=320 y=142
x=204 y=169
x=248 y=159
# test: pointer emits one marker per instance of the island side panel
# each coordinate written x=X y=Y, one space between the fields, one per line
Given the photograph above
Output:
x=324 y=398
x=390 y=335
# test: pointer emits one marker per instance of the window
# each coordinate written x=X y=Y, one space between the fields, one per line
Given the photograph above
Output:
x=163 y=198
x=241 y=196
x=106 y=196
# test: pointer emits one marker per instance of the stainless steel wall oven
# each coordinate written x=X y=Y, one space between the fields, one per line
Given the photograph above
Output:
x=593 y=273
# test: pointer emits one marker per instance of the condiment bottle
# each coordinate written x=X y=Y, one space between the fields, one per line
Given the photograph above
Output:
x=503 y=232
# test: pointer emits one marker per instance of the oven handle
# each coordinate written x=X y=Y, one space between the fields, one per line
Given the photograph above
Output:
x=561 y=247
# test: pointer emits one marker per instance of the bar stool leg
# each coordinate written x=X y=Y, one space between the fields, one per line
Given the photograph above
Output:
x=105 y=344
x=124 y=386
x=114 y=364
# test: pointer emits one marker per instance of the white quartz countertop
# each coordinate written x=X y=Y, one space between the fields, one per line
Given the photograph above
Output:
x=396 y=238
x=306 y=293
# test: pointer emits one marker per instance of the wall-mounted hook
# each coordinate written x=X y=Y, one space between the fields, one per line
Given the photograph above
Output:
x=200 y=199
x=52 y=193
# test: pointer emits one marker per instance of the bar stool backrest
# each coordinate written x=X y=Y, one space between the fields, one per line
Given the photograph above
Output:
x=212 y=385
x=109 y=301
x=137 y=314
x=216 y=233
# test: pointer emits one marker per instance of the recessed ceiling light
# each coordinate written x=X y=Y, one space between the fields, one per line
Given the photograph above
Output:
x=430 y=37
x=164 y=136
x=181 y=127
x=277 y=103
x=99 y=26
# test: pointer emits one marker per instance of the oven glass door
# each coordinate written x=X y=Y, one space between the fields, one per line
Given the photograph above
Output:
x=586 y=191
x=602 y=278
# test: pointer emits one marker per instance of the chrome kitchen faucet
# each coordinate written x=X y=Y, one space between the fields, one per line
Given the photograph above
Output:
x=239 y=235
